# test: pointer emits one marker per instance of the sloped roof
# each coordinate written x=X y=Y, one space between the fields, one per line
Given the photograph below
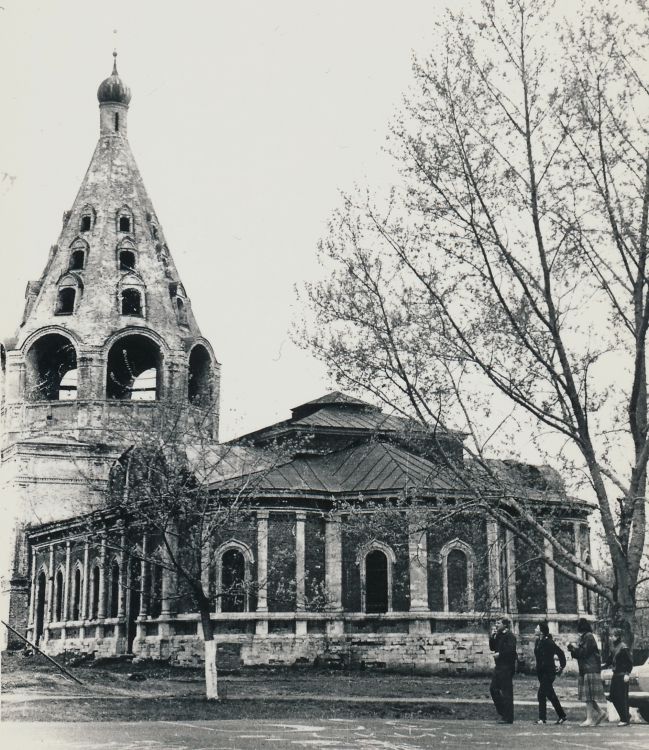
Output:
x=375 y=467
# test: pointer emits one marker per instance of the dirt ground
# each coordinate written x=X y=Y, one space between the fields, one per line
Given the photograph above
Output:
x=33 y=690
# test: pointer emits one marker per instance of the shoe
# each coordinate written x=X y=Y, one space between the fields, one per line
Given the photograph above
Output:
x=540 y=721
x=561 y=720
x=623 y=723
x=506 y=721
x=587 y=723
x=600 y=718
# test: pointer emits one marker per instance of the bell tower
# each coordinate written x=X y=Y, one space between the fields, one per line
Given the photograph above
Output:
x=107 y=340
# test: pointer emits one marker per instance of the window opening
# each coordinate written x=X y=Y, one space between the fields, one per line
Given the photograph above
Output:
x=131 y=302
x=77 y=261
x=126 y=260
x=68 y=387
x=58 y=610
x=48 y=360
x=376 y=582
x=65 y=304
x=155 y=607
x=144 y=386
x=86 y=223
x=124 y=223
x=200 y=376
x=134 y=369
x=40 y=605
x=233 y=573
x=458 y=582
x=94 y=609
x=117 y=127
x=76 y=597
x=114 y=590
x=181 y=311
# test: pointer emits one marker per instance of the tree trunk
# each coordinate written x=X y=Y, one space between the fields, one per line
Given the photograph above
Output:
x=211 y=675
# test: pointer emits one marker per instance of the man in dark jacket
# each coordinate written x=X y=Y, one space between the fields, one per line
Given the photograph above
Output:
x=545 y=649
x=622 y=663
x=503 y=643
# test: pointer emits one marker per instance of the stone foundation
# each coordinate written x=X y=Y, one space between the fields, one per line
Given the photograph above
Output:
x=440 y=653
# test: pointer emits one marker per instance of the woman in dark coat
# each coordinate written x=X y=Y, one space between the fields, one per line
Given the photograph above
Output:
x=545 y=649
x=622 y=663
x=589 y=687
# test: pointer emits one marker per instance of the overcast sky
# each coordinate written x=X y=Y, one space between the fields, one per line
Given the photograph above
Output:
x=246 y=120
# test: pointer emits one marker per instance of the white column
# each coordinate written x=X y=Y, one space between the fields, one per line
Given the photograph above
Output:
x=144 y=593
x=262 y=570
x=511 y=571
x=578 y=554
x=84 y=583
x=550 y=595
x=418 y=569
x=50 y=585
x=334 y=572
x=300 y=570
x=66 y=587
x=493 y=558
x=32 y=594
x=101 y=608
x=123 y=576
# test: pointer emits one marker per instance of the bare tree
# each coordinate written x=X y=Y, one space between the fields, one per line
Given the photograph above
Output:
x=501 y=285
x=173 y=483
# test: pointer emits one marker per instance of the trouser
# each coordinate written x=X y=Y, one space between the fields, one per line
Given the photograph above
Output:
x=620 y=696
x=545 y=693
x=502 y=692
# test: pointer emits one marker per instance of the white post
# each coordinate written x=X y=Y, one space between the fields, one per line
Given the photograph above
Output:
x=300 y=571
x=418 y=569
x=32 y=594
x=493 y=558
x=262 y=570
x=334 y=572
x=511 y=571
x=123 y=576
x=50 y=586
x=84 y=588
x=101 y=605
x=550 y=594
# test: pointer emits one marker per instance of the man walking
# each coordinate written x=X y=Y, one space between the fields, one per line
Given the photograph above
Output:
x=503 y=643
x=545 y=649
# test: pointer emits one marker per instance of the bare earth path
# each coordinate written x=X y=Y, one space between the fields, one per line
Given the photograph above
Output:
x=332 y=734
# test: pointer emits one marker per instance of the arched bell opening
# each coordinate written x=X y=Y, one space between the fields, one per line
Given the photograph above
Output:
x=200 y=377
x=134 y=371
x=51 y=369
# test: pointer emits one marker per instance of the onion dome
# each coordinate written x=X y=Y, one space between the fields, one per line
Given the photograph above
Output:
x=113 y=89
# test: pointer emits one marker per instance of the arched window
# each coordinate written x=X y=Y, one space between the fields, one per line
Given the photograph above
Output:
x=125 y=220
x=233 y=560
x=77 y=260
x=114 y=589
x=155 y=589
x=181 y=312
x=199 y=388
x=94 y=599
x=65 y=301
x=458 y=562
x=116 y=123
x=376 y=561
x=49 y=359
x=58 y=596
x=134 y=369
x=87 y=220
x=76 y=594
x=41 y=588
x=131 y=302
x=126 y=260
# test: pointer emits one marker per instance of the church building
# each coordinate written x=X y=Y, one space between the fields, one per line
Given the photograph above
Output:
x=313 y=573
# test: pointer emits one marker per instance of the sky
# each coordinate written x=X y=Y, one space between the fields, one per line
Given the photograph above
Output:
x=247 y=120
